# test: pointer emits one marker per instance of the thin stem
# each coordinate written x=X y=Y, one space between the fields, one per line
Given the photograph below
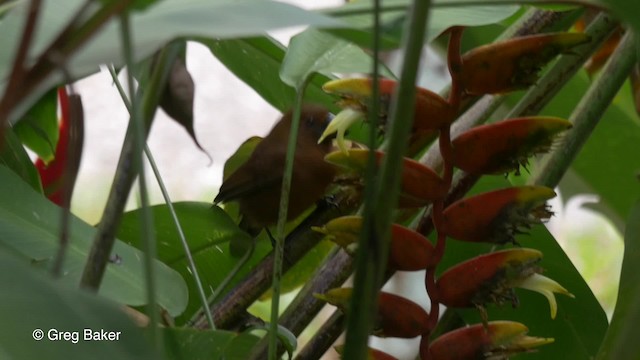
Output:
x=374 y=241
x=167 y=199
x=72 y=37
x=147 y=233
x=282 y=220
x=18 y=70
x=124 y=177
x=589 y=112
x=72 y=137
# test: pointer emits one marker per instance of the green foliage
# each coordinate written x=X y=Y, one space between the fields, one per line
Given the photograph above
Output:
x=208 y=230
x=38 y=130
x=14 y=157
x=29 y=225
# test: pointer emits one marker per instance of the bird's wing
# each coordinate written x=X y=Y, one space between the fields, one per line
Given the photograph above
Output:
x=247 y=180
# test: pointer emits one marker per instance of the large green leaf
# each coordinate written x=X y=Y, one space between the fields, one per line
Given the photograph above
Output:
x=315 y=51
x=157 y=25
x=208 y=230
x=620 y=341
x=38 y=129
x=192 y=344
x=31 y=302
x=580 y=324
x=394 y=16
x=257 y=62
x=29 y=225
x=14 y=157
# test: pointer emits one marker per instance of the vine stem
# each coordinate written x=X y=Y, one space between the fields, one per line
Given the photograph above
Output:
x=374 y=240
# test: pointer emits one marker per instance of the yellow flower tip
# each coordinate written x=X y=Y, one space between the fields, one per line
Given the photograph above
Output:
x=530 y=342
x=340 y=124
x=321 y=297
x=320 y=229
x=510 y=335
x=352 y=87
x=547 y=287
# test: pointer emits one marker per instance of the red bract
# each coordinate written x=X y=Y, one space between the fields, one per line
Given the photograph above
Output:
x=513 y=64
x=409 y=251
x=498 y=340
x=420 y=185
x=497 y=216
x=432 y=112
x=397 y=316
x=51 y=174
x=506 y=145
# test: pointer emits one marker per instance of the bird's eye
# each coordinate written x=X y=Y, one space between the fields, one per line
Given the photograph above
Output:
x=309 y=121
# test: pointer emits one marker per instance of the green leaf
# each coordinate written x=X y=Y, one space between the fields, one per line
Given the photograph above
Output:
x=285 y=337
x=208 y=230
x=358 y=15
x=30 y=226
x=167 y=20
x=38 y=129
x=31 y=301
x=620 y=340
x=193 y=344
x=14 y=157
x=257 y=61
x=315 y=51
x=580 y=324
x=625 y=10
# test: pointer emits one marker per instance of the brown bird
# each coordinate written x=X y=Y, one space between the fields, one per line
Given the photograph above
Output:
x=256 y=185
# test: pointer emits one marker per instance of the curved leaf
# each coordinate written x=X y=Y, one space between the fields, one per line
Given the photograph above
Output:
x=208 y=230
x=315 y=51
x=30 y=301
x=29 y=225
x=257 y=61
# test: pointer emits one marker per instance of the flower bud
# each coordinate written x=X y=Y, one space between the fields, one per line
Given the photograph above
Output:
x=498 y=340
x=420 y=185
x=513 y=64
x=497 y=216
x=432 y=112
x=409 y=250
x=504 y=146
x=491 y=278
x=397 y=316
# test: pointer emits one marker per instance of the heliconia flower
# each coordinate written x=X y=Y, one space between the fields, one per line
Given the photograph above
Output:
x=420 y=185
x=491 y=279
x=397 y=316
x=51 y=174
x=372 y=354
x=497 y=216
x=432 y=112
x=340 y=124
x=513 y=64
x=496 y=340
x=506 y=145
x=409 y=250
